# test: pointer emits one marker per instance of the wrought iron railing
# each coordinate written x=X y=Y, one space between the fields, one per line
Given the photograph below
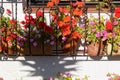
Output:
x=56 y=50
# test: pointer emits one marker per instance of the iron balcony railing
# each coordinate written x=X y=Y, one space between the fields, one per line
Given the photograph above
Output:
x=56 y=50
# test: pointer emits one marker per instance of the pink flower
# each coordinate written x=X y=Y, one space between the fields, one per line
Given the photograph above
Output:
x=64 y=38
x=115 y=22
x=98 y=34
x=35 y=44
x=104 y=33
x=110 y=79
x=93 y=30
x=118 y=78
x=50 y=78
x=1 y=78
x=68 y=74
x=92 y=23
x=52 y=42
x=113 y=34
x=82 y=26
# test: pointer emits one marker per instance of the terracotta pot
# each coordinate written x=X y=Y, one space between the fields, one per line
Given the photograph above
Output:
x=36 y=51
x=70 y=46
x=115 y=52
x=93 y=49
x=108 y=48
x=6 y=49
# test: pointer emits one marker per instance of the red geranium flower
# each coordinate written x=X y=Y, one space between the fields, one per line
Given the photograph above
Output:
x=48 y=29
x=28 y=18
x=117 y=12
x=76 y=35
x=23 y=22
x=67 y=19
x=9 y=38
x=1 y=51
x=13 y=35
x=39 y=13
x=8 y=11
x=41 y=24
x=66 y=30
x=108 y=25
x=12 y=21
x=50 y=4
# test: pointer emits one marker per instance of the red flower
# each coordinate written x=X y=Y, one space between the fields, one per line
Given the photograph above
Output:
x=39 y=13
x=54 y=16
x=41 y=24
x=67 y=19
x=77 y=12
x=23 y=22
x=50 y=4
x=8 y=32
x=13 y=21
x=66 y=30
x=9 y=38
x=25 y=26
x=60 y=23
x=8 y=11
x=117 y=12
x=76 y=35
x=108 y=25
x=13 y=36
x=79 y=4
x=3 y=29
x=1 y=51
x=64 y=10
x=28 y=18
x=54 y=1
x=48 y=29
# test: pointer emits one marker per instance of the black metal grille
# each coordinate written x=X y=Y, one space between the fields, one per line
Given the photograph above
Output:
x=41 y=6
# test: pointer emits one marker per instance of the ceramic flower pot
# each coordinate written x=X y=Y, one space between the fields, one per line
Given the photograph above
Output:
x=70 y=46
x=115 y=52
x=95 y=49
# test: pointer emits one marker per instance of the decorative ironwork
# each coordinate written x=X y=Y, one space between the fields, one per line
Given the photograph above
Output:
x=1 y=10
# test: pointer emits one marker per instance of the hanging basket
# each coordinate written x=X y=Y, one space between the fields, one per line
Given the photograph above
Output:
x=70 y=46
x=95 y=49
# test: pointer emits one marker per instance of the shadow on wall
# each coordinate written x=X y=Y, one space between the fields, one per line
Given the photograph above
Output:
x=47 y=66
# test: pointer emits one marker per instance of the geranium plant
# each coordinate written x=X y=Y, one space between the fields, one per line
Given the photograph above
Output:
x=8 y=26
x=113 y=76
x=67 y=76
x=34 y=29
x=65 y=22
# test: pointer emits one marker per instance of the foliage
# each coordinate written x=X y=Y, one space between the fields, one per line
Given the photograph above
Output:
x=65 y=20
x=34 y=29
x=113 y=76
x=8 y=27
x=67 y=76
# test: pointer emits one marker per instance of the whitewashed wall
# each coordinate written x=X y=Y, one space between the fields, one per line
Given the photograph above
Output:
x=37 y=68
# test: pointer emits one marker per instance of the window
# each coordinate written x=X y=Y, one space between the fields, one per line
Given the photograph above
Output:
x=64 y=2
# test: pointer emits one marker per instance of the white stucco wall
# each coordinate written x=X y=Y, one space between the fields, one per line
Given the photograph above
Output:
x=37 y=68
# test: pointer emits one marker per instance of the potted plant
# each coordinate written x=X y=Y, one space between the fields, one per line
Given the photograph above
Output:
x=114 y=39
x=65 y=24
x=8 y=34
x=34 y=32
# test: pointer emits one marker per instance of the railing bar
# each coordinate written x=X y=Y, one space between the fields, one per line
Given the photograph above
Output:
x=111 y=10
